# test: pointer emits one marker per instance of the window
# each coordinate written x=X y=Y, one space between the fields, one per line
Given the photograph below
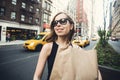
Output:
x=31 y=8
x=39 y=1
x=46 y=17
x=2 y=11
x=45 y=5
x=13 y=15
x=14 y=2
x=23 y=5
x=30 y=19
x=37 y=10
x=22 y=17
x=37 y=20
x=48 y=7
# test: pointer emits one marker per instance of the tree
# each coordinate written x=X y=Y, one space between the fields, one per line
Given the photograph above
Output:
x=104 y=37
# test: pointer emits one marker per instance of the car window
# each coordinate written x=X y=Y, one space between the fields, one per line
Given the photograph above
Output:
x=83 y=38
x=39 y=37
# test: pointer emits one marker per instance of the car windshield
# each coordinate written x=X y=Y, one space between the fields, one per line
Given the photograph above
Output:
x=83 y=38
x=38 y=37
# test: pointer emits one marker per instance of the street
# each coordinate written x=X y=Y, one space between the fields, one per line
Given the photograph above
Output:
x=18 y=64
x=116 y=45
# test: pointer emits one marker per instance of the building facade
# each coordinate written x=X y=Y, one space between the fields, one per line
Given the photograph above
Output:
x=116 y=20
x=23 y=19
x=59 y=6
x=20 y=18
x=46 y=14
x=81 y=19
x=71 y=10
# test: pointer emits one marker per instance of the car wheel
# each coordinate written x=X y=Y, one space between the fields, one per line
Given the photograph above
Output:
x=82 y=46
x=38 y=47
x=89 y=43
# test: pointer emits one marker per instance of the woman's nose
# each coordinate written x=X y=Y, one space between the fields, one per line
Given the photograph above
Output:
x=58 y=24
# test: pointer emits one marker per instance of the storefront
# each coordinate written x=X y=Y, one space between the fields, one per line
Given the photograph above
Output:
x=20 y=34
x=17 y=31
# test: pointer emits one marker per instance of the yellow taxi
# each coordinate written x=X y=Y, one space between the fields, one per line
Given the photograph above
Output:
x=93 y=38
x=82 y=41
x=37 y=42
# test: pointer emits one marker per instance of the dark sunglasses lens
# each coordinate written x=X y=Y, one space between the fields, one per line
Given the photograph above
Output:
x=55 y=23
x=63 y=21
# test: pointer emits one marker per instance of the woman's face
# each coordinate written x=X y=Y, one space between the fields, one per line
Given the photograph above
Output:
x=62 y=25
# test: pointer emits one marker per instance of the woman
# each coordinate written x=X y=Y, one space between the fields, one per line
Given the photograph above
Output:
x=62 y=30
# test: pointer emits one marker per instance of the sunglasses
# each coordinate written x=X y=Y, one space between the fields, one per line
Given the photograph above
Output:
x=62 y=21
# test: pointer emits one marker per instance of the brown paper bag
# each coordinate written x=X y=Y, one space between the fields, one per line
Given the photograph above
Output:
x=74 y=63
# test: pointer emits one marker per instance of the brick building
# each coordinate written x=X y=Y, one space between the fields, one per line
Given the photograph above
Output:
x=81 y=19
x=23 y=19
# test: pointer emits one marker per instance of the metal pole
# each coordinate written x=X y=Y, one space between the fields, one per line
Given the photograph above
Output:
x=104 y=14
x=92 y=24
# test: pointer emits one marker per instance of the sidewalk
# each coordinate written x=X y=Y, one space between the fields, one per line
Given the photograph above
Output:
x=115 y=45
x=12 y=42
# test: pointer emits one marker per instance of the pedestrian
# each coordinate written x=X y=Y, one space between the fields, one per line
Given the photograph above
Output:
x=44 y=26
x=8 y=37
x=60 y=54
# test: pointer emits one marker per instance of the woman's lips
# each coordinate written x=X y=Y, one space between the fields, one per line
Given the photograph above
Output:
x=59 y=30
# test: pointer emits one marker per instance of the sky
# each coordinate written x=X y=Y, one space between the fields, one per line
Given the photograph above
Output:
x=98 y=13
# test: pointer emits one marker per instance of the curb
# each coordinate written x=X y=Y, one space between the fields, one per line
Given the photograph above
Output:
x=108 y=73
x=11 y=43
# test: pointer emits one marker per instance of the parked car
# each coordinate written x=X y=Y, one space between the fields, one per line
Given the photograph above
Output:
x=114 y=39
x=37 y=42
x=82 y=42
x=93 y=38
